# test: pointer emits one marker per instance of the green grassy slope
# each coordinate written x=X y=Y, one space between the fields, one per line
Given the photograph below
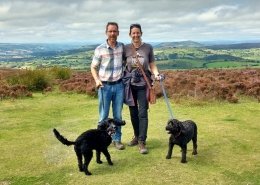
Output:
x=228 y=147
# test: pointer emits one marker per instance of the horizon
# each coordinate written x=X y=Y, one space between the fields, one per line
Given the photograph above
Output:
x=155 y=42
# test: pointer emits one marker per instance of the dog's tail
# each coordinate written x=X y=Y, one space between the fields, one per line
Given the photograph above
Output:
x=62 y=139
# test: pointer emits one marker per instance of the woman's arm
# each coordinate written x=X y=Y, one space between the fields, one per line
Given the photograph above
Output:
x=154 y=69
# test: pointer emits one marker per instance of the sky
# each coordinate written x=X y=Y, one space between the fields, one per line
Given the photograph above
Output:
x=59 y=21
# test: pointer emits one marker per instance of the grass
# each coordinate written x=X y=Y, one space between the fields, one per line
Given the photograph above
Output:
x=228 y=143
x=231 y=64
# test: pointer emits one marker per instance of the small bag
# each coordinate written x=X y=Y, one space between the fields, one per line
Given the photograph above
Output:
x=152 y=96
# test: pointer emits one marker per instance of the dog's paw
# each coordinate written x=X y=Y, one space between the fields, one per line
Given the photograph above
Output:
x=194 y=153
x=183 y=161
x=110 y=163
x=88 y=173
x=99 y=162
x=168 y=157
x=81 y=168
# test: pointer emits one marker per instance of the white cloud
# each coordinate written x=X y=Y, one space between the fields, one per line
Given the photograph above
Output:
x=161 y=20
x=4 y=9
x=216 y=13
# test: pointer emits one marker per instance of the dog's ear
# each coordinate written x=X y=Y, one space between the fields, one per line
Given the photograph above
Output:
x=182 y=129
x=178 y=125
x=108 y=120
x=117 y=122
x=120 y=122
x=175 y=121
x=102 y=125
x=170 y=122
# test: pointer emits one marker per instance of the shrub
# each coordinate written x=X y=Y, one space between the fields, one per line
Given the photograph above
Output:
x=80 y=82
x=61 y=73
x=34 y=80
x=14 y=91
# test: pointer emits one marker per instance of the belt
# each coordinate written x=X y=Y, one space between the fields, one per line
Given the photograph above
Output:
x=112 y=83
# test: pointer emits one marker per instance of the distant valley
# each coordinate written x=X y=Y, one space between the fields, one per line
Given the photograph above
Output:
x=169 y=55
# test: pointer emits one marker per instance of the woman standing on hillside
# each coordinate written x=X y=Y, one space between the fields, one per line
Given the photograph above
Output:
x=138 y=111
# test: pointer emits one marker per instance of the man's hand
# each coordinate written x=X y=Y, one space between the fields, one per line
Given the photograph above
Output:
x=99 y=84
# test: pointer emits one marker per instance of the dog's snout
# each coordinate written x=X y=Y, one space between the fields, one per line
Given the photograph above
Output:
x=167 y=127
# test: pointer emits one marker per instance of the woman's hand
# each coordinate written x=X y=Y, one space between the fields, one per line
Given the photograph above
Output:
x=160 y=77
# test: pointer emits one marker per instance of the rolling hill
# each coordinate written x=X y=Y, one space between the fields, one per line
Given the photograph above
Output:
x=169 y=55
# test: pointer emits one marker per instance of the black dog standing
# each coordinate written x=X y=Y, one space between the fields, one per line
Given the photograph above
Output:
x=94 y=139
x=181 y=134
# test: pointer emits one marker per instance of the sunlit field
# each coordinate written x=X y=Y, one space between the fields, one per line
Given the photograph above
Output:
x=228 y=147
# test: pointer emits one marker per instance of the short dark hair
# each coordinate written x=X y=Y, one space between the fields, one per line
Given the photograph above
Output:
x=112 y=23
x=135 y=26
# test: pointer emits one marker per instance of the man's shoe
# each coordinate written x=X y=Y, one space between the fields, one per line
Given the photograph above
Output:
x=142 y=148
x=134 y=142
x=119 y=145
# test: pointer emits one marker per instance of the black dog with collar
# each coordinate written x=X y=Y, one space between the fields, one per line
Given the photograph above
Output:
x=94 y=139
x=181 y=134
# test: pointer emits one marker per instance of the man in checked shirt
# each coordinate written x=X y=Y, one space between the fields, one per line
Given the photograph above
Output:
x=107 y=71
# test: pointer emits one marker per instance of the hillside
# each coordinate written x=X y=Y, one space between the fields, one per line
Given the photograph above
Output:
x=235 y=46
x=29 y=52
x=214 y=84
x=168 y=55
x=182 y=44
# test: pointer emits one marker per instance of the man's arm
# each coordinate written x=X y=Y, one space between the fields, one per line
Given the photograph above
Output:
x=95 y=76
